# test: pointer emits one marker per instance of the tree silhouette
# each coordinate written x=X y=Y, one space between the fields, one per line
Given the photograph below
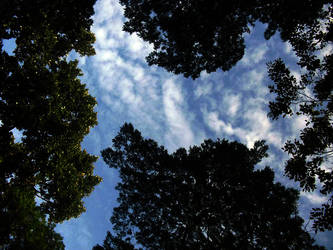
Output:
x=209 y=197
x=192 y=36
x=311 y=96
x=42 y=96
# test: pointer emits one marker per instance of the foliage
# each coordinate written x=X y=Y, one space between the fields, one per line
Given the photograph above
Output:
x=311 y=96
x=111 y=242
x=42 y=96
x=209 y=197
x=23 y=224
x=192 y=36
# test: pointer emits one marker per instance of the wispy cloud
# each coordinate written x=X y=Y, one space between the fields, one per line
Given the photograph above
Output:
x=254 y=126
x=233 y=102
x=314 y=198
x=203 y=89
x=254 y=55
x=179 y=131
x=170 y=109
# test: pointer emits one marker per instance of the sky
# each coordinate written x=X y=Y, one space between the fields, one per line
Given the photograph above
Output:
x=176 y=112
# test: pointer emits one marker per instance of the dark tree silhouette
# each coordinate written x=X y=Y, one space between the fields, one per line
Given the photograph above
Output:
x=42 y=96
x=312 y=96
x=111 y=242
x=192 y=36
x=209 y=197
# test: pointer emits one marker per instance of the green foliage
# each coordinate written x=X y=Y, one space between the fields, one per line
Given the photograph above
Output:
x=311 y=154
x=192 y=36
x=209 y=197
x=42 y=96
x=23 y=224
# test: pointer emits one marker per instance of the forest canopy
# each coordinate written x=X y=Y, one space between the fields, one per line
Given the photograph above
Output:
x=209 y=197
x=42 y=96
x=192 y=36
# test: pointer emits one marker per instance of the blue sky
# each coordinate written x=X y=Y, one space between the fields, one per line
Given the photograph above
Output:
x=175 y=111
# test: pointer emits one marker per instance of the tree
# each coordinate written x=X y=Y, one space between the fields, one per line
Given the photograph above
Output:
x=111 y=242
x=192 y=36
x=42 y=96
x=209 y=197
x=311 y=96
x=23 y=224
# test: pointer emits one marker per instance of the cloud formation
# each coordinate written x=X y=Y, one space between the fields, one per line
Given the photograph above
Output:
x=174 y=111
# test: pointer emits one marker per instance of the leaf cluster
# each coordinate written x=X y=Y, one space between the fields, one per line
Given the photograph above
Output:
x=311 y=97
x=42 y=96
x=209 y=197
x=192 y=36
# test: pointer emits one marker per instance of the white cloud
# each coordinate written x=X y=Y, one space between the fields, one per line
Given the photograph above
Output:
x=253 y=80
x=108 y=22
x=179 y=130
x=107 y=11
x=135 y=43
x=168 y=109
x=298 y=123
x=257 y=120
x=327 y=50
x=127 y=93
x=255 y=77
x=254 y=125
x=127 y=87
x=314 y=198
x=260 y=128
x=288 y=49
x=218 y=125
x=105 y=55
x=203 y=89
x=254 y=55
x=233 y=103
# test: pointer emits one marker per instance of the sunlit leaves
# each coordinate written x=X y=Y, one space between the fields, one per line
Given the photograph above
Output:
x=42 y=96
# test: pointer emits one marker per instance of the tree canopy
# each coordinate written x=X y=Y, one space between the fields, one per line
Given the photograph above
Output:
x=192 y=36
x=23 y=225
x=209 y=197
x=312 y=97
x=42 y=96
